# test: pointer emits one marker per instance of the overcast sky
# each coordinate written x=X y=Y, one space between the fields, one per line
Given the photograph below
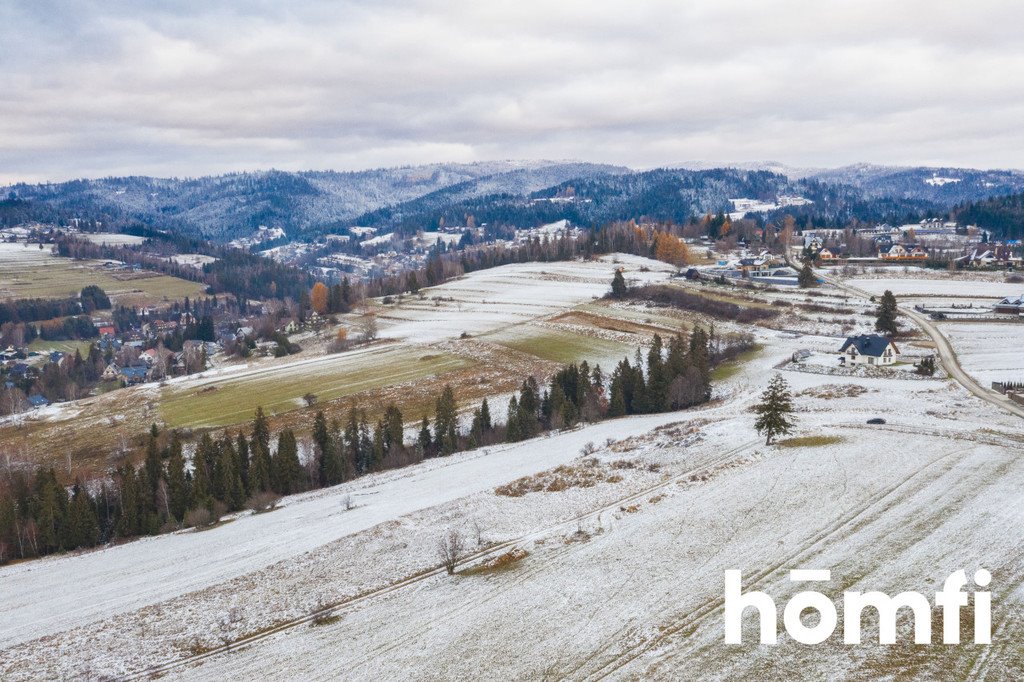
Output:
x=191 y=88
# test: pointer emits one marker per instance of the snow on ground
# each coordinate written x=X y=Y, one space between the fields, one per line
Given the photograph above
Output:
x=112 y=238
x=53 y=594
x=637 y=593
x=487 y=300
x=629 y=590
x=196 y=260
x=937 y=287
x=988 y=351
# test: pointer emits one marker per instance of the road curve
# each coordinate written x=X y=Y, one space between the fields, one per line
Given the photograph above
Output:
x=947 y=356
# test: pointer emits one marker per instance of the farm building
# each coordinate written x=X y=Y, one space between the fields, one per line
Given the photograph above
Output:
x=1011 y=305
x=868 y=349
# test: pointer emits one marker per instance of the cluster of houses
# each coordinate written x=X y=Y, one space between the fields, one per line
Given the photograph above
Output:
x=916 y=242
x=764 y=268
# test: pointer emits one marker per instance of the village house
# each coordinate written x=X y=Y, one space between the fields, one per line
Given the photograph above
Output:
x=826 y=255
x=900 y=252
x=110 y=372
x=868 y=349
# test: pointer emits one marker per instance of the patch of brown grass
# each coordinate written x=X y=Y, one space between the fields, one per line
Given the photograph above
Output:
x=586 y=474
x=502 y=562
x=834 y=391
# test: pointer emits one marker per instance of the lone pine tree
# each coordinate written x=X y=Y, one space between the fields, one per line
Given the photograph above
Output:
x=618 y=284
x=885 y=321
x=807 y=278
x=774 y=410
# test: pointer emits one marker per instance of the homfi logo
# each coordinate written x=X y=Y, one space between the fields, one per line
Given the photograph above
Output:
x=951 y=599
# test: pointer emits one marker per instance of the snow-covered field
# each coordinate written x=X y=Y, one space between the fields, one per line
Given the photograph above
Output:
x=912 y=286
x=487 y=300
x=53 y=594
x=196 y=260
x=988 y=351
x=112 y=238
x=632 y=591
x=620 y=579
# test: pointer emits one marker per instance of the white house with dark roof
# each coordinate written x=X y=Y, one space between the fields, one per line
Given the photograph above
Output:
x=868 y=349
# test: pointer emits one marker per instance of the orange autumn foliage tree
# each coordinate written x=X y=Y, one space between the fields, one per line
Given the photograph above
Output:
x=670 y=249
x=318 y=298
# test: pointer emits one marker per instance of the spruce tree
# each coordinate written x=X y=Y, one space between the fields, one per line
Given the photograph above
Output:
x=154 y=465
x=177 y=487
x=242 y=453
x=513 y=430
x=394 y=429
x=807 y=278
x=446 y=422
x=619 y=288
x=485 y=417
x=287 y=467
x=260 y=431
x=885 y=321
x=775 y=410
x=424 y=440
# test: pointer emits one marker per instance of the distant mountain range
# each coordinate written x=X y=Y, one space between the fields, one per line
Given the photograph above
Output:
x=523 y=193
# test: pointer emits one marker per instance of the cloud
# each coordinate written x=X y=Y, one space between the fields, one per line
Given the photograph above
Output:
x=110 y=88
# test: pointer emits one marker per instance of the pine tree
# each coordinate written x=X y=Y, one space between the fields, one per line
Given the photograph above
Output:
x=699 y=358
x=242 y=453
x=619 y=288
x=260 y=431
x=85 y=528
x=529 y=409
x=177 y=487
x=885 y=322
x=424 y=440
x=154 y=466
x=775 y=410
x=365 y=443
x=287 y=468
x=393 y=425
x=514 y=430
x=259 y=472
x=324 y=447
x=485 y=417
x=446 y=422
x=128 y=522
x=807 y=278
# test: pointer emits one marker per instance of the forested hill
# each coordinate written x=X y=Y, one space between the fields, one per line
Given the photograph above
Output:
x=1003 y=216
x=521 y=194
x=662 y=194
x=226 y=207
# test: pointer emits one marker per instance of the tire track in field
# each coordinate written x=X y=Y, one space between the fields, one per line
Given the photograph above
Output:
x=873 y=508
x=929 y=518
x=490 y=552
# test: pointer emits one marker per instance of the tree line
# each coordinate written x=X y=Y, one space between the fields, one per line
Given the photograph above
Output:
x=90 y=299
x=40 y=514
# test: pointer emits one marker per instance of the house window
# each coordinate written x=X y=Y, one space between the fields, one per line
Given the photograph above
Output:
x=871 y=361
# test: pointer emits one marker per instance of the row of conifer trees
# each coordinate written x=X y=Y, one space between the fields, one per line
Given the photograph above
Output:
x=39 y=514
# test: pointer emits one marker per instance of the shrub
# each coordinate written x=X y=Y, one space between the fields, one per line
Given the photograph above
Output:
x=199 y=518
x=262 y=502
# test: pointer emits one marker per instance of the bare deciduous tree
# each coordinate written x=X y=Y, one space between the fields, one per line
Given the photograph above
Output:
x=449 y=550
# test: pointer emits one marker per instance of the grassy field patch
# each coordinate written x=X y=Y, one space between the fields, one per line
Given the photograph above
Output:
x=727 y=370
x=280 y=388
x=561 y=346
x=27 y=272
x=810 y=441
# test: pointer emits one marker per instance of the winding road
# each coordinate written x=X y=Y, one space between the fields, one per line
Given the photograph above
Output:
x=947 y=356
